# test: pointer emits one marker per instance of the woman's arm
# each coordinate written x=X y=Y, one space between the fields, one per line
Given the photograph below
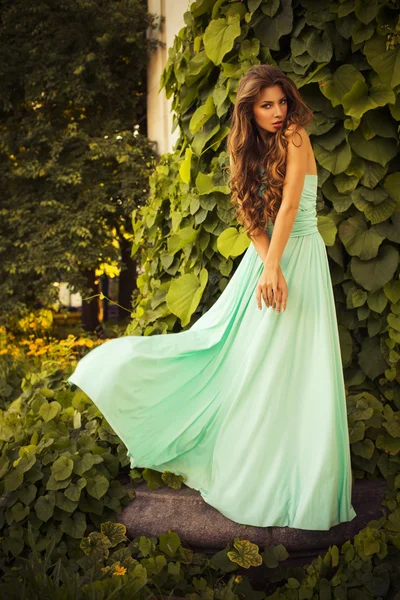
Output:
x=296 y=168
x=260 y=241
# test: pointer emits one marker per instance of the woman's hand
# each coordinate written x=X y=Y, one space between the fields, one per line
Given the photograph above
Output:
x=273 y=288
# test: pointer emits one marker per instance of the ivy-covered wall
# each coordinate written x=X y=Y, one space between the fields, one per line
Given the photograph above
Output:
x=344 y=57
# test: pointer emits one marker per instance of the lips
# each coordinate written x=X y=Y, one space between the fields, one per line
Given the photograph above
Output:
x=277 y=122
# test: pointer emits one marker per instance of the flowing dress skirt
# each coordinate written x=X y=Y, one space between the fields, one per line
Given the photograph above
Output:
x=248 y=405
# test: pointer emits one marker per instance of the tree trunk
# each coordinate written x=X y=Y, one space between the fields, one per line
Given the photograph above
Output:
x=90 y=309
x=104 y=281
x=127 y=278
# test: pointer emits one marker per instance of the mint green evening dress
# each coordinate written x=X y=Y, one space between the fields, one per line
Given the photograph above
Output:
x=248 y=405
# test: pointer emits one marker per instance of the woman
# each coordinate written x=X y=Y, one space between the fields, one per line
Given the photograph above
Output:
x=248 y=405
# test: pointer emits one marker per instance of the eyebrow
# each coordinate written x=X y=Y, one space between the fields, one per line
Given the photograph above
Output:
x=270 y=102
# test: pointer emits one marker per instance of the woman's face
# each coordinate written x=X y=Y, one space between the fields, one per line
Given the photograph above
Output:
x=271 y=106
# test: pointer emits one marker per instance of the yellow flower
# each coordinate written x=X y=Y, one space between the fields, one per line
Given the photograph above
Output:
x=119 y=570
x=238 y=578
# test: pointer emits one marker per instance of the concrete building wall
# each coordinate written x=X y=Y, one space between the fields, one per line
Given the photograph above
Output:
x=159 y=112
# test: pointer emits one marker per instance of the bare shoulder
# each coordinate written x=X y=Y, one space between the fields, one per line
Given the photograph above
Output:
x=297 y=135
x=298 y=155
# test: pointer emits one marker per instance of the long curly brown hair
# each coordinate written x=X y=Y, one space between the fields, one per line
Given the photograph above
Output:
x=259 y=159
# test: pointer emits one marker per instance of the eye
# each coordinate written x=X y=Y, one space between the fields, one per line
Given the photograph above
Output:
x=268 y=105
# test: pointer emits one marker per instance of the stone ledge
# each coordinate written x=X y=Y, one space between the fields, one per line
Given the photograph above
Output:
x=204 y=529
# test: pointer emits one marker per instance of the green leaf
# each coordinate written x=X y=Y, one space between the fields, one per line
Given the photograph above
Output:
x=319 y=46
x=4 y=465
x=194 y=205
x=53 y=484
x=62 y=468
x=341 y=202
x=366 y=11
x=185 y=293
x=358 y=298
x=14 y=542
x=153 y=478
x=73 y=491
x=394 y=321
x=392 y=186
x=345 y=184
x=97 y=486
x=225 y=267
x=44 y=506
x=346 y=346
x=13 y=480
x=335 y=86
x=249 y=49
x=219 y=37
x=358 y=239
x=75 y=526
x=220 y=93
x=327 y=229
x=25 y=463
x=205 y=185
x=269 y=559
x=232 y=243
x=154 y=565
x=169 y=543
x=145 y=545
x=19 y=512
x=201 y=115
x=370 y=358
x=280 y=552
x=335 y=161
x=49 y=410
x=384 y=61
x=27 y=493
x=210 y=128
x=198 y=67
x=253 y=4
x=182 y=238
x=274 y=25
x=115 y=532
x=373 y=274
x=392 y=291
x=377 y=301
x=235 y=8
x=360 y=99
x=96 y=544
x=378 y=149
x=365 y=448
x=65 y=503
x=245 y=553
x=215 y=140
x=184 y=170
x=85 y=463
x=375 y=213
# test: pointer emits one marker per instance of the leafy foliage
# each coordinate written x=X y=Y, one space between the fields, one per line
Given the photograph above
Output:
x=73 y=161
x=343 y=59
x=58 y=474
x=23 y=358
